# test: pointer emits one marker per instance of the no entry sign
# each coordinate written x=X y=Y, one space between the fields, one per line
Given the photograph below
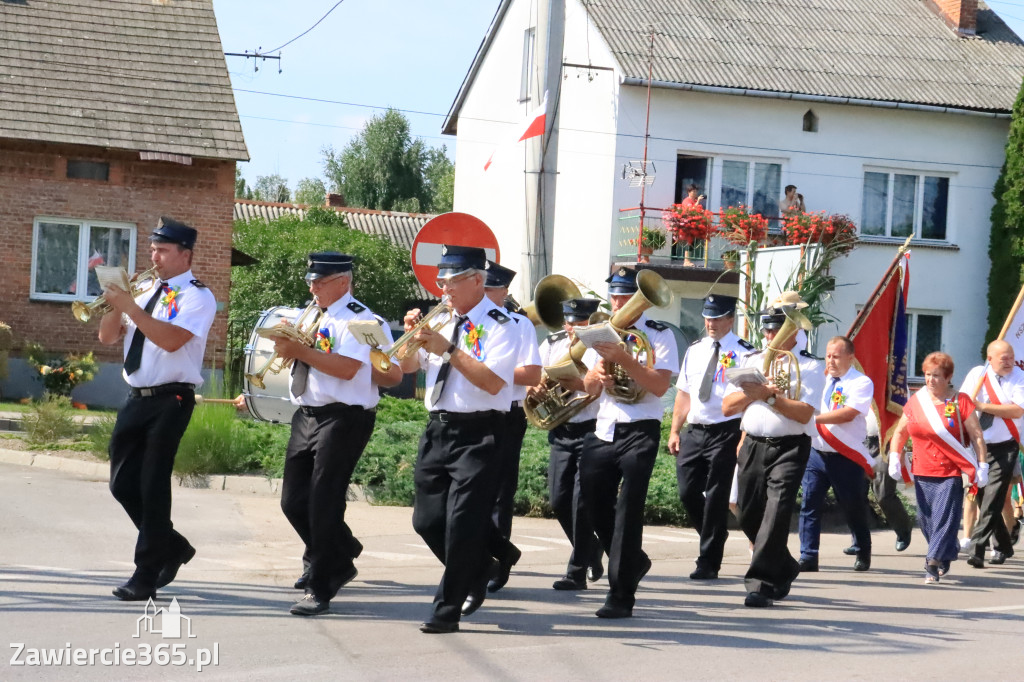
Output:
x=458 y=229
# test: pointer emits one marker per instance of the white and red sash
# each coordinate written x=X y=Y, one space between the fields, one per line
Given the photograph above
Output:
x=998 y=397
x=852 y=451
x=921 y=406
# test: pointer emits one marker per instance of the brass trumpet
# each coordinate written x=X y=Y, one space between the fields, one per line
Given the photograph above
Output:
x=781 y=367
x=652 y=290
x=303 y=331
x=84 y=312
x=405 y=346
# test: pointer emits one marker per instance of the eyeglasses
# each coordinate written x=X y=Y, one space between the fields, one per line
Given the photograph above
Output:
x=320 y=281
x=443 y=282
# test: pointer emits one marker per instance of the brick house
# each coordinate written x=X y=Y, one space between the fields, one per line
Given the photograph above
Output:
x=112 y=114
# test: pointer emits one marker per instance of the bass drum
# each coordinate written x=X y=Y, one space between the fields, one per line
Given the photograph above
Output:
x=272 y=403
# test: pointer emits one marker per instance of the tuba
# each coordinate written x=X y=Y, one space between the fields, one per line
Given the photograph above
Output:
x=781 y=367
x=405 y=346
x=303 y=331
x=84 y=312
x=652 y=290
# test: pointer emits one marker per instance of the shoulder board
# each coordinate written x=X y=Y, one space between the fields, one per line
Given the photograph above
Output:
x=746 y=344
x=697 y=342
x=558 y=336
x=806 y=354
x=356 y=307
x=497 y=315
x=197 y=283
x=657 y=326
x=515 y=318
x=754 y=352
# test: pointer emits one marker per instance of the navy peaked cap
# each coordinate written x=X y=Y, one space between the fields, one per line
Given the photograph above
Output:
x=577 y=309
x=327 y=263
x=458 y=259
x=716 y=305
x=772 y=318
x=498 y=275
x=171 y=231
x=622 y=281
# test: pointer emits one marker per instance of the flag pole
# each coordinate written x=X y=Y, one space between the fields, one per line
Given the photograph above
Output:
x=866 y=310
x=1002 y=333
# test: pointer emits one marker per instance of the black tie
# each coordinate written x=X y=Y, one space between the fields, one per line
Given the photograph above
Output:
x=300 y=370
x=134 y=358
x=446 y=366
x=709 y=374
x=985 y=418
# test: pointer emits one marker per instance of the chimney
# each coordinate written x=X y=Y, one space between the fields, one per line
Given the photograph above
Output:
x=334 y=200
x=959 y=15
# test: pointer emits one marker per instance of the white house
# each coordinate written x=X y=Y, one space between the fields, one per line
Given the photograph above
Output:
x=894 y=112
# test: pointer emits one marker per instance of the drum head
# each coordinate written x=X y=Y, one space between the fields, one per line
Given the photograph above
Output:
x=272 y=403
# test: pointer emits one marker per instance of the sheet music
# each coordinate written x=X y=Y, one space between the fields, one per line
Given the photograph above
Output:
x=565 y=370
x=368 y=332
x=745 y=375
x=112 y=276
x=596 y=333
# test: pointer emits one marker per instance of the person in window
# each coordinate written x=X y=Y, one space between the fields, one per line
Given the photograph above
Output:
x=693 y=197
x=792 y=202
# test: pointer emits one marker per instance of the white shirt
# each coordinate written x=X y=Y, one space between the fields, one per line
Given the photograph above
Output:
x=334 y=337
x=855 y=390
x=695 y=363
x=553 y=350
x=191 y=308
x=497 y=348
x=1013 y=388
x=609 y=410
x=527 y=355
x=760 y=419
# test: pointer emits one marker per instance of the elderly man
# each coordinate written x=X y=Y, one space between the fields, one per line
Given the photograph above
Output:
x=772 y=459
x=706 y=450
x=1000 y=405
x=839 y=459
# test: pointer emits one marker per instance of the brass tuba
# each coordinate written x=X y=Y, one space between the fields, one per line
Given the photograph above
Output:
x=652 y=290
x=782 y=367
x=405 y=346
x=303 y=331
x=84 y=312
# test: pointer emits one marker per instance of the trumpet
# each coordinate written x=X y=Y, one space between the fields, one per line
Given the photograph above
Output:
x=405 y=346
x=303 y=331
x=782 y=366
x=84 y=312
x=652 y=290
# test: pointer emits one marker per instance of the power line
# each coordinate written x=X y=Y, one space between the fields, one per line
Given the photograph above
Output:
x=310 y=28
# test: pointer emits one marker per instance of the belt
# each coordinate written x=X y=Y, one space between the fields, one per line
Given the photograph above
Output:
x=516 y=404
x=446 y=417
x=162 y=389
x=585 y=426
x=1004 y=444
x=730 y=424
x=331 y=408
x=777 y=440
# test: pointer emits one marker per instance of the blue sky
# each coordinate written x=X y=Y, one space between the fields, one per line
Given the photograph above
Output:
x=408 y=54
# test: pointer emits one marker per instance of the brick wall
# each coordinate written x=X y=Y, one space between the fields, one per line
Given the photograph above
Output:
x=33 y=183
x=961 y=15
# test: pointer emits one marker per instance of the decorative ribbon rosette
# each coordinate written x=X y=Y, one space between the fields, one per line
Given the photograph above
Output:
x=474 y=338
x=170 y=300
x=838 y=398
x=950 y=412
x=725 y=361
x=323 y=340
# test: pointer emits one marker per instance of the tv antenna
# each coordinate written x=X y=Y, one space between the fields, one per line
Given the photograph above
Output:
x=256 y=57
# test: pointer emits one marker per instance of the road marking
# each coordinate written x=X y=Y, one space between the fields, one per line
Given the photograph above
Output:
x=392 y=556
x=994 y=609
x=668 y=538
x=557 y=541
x=534 y=548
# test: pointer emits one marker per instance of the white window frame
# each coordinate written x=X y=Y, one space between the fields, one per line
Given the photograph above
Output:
x=918 y=202
x=718 y=176
x=912 y=319
x=526 y=77
x=84 y=229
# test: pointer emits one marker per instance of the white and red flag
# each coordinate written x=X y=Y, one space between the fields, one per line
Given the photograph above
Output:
x=533 y=126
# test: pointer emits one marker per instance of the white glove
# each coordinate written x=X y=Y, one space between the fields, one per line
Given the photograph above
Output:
x=981 y=476
x=895 y=466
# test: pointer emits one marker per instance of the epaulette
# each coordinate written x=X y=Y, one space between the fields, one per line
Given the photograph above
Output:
x=356 y=307
x=812 y=356
x=497 y=315
x=558 y=336
x=756 y=351
x=197 y=283
x=746 y=344
x=697 y=342
x=657 y=326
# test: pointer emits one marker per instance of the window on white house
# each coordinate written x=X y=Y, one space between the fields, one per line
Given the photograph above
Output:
x=752 y=183
x=903 y=204
x=65 y=253
x=526 y=78
x=925 y=336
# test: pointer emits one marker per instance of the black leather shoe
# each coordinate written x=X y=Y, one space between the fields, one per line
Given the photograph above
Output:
x=1015 y=532
x=644 y=570
x=568 y=584
x=341 y=579
x=310 y=605
x=779 y=593
x=902 y=543
x=596 y=570
x=134 y=591
x=757 y=600
x=703 y=573
x=439 y=627
x=608 y=611
x=503 y=570
x=303 y=581
x=474 y=600
x=943 y=568
x=862 y=564
x=170 y=570
x=975 y=561
x=808 y=566
x=851 y=550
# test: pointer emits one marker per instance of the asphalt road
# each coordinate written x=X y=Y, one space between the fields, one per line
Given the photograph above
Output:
x=65 y=543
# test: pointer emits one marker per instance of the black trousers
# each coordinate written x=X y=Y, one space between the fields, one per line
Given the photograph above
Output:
x=850 y=485
x=613 y=479
x=883 y=486
x=704 y=469
x=990 y=526
x=567 y=501
x=142 y=449
x=770 y=470
x=458 y=469
x=322 y=453
x=500 y=544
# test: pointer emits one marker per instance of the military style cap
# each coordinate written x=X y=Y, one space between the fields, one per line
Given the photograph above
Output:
x=772 y=318
x=498 y=276
x=579 y=309
x=171 y=231
x=458 y=259
x=622 y=282
x=327 y=263
x=716 y=305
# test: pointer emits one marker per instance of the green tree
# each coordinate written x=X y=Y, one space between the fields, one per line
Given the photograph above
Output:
x=241 y=190
x=1006 y=239
x=440 y=176
x=271 y=188
x=310 y=191
x=383 y=167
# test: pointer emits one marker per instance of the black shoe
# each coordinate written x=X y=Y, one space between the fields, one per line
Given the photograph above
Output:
x=943 y=568
x=644 y=569
x=474 y=600
x=779 y=593
x=568 y=584
x=477 y=593
x=851 y=550
x=902 y=543
x=133 y=590
x=862 y=564
x=439 y=627
x=303 y=581
x=808 y=565
x=608 y=611
x=1015 y=532
x=975 y=561
x=310 y=605
x=703 y=573
x=757 y=600
x=503 y=570
x=341 y=579
x=596 y=570
x=170 y=570
x=997 y=558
